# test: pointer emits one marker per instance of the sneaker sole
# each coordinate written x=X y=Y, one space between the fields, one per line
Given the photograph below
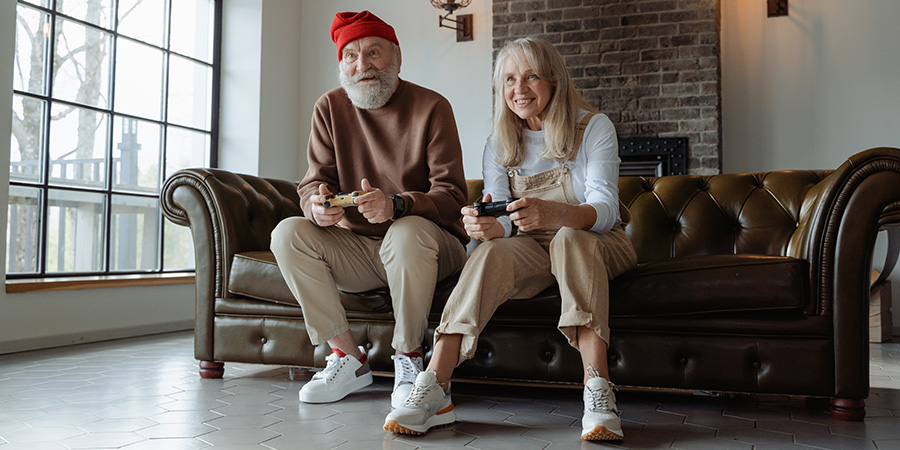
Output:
x=438 y=420
x=330 y=397
x=601 y=433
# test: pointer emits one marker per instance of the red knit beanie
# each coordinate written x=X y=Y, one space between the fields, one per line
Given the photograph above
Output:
x=348 y=27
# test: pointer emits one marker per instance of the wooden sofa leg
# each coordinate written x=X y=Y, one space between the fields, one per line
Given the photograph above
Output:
x=848 y=409
x=211 y=369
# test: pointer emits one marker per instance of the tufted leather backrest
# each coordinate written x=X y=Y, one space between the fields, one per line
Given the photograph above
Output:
x=684 y=215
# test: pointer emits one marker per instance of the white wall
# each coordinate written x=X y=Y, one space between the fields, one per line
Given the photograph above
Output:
x=808 y=90
x=7 y=54
x=239 y=100
x=260 y=114
x=460 y=71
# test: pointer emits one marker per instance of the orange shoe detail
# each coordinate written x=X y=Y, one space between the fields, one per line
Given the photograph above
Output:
x=394 y=427
x=600 y=433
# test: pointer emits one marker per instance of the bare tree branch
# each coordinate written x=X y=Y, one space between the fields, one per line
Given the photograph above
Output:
x=127 y=13
x=63 y=114
x=82 y=142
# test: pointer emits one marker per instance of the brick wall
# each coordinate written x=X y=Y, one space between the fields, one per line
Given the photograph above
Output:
x=651 y=65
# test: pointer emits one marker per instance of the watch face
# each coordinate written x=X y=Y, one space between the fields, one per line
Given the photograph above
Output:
x=399 y=205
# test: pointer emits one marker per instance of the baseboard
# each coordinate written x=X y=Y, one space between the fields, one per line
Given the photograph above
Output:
x=42 y=343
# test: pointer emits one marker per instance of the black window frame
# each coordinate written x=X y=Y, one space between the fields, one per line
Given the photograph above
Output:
x=109 y=191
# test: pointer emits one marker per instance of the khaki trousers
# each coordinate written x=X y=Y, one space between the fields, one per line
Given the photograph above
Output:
x=413 y=256
x=519 y=267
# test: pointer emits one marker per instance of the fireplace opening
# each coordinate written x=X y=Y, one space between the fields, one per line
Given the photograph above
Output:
x=653 y=156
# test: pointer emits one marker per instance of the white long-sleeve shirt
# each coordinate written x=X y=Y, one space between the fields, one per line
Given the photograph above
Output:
x=595 y=171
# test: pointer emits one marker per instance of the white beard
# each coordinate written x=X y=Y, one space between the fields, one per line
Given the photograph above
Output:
x=374 y=95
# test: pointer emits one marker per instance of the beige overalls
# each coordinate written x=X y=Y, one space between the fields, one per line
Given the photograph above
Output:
x=521 y=266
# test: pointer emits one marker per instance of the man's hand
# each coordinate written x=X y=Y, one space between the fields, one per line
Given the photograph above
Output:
x=374 y=205
x=484 y=228
x=322 y=216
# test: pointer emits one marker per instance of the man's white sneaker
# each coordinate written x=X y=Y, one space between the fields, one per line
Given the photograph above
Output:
x=601 y=418
x=405 y=371
x=341 y=376
x=427 y=406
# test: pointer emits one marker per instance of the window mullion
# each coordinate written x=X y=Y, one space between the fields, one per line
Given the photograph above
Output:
x=42 y=248
x=216 y=90
x=110 y=143
x=165 y=131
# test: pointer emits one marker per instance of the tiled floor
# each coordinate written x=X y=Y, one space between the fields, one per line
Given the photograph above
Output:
x=145 y=393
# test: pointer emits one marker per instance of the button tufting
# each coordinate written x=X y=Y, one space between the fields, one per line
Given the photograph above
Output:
x=756 y=364
x=683 y=361
x=263 y=340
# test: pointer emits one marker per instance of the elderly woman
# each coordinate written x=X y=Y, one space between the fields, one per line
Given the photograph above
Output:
x=559 y=158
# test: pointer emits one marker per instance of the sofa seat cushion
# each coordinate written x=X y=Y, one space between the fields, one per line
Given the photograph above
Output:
x=256 y=275
x=710 y=284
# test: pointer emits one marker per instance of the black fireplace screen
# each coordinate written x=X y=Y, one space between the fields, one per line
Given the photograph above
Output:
x=653 y=156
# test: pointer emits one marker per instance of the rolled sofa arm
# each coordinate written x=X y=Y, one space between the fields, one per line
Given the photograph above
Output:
x=840 y=220
x=228 y=213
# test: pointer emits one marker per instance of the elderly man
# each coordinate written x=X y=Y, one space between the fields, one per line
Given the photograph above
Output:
x=397 y=143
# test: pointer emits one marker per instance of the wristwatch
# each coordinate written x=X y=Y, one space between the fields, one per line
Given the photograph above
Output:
x=399 y=206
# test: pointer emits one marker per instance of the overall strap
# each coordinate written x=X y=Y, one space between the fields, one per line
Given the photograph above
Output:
x=579 y=132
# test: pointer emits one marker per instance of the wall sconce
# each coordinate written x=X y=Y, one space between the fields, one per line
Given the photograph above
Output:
x=777 y=8
x=463 y=22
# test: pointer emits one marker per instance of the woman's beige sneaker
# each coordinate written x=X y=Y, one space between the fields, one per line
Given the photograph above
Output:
x=426 y=407
x=601 y=418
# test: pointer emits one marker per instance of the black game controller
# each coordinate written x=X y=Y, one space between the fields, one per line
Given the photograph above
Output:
x=494 y=208
x=343 y=200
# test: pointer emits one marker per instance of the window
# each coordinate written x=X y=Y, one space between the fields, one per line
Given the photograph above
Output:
x=109 y=98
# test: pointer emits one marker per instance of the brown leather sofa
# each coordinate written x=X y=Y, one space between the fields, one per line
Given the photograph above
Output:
x=752 y=283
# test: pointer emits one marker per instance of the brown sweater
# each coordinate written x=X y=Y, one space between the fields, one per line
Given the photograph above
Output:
x=410 y=147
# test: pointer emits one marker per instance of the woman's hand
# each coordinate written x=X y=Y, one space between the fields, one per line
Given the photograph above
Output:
x=534 y=213
x=484 y=228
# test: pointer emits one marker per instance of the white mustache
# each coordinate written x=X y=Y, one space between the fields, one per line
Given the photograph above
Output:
x=371 y=73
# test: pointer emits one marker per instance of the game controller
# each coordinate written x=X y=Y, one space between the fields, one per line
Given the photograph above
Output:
x=494 y=208
x=342 y=200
